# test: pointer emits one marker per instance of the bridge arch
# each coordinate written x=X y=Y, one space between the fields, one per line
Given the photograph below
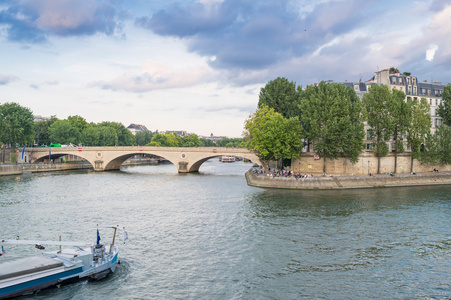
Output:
x=186 y=159
x=194 y=167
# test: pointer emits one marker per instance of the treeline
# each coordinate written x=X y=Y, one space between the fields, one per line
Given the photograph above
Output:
x=331 y=120
x=18 y=128
x=174 y=140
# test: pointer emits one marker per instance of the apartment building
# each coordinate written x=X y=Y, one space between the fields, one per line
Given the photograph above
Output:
x=414 y=89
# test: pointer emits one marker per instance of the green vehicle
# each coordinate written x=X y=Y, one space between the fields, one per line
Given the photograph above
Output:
x=55 y=145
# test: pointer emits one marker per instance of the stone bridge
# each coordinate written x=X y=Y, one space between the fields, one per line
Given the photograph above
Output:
x=186 y=159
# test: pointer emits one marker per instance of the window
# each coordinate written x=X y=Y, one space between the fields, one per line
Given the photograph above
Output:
x=409 y=90
x=369 y=135
x=369 y=146
x=414 y=90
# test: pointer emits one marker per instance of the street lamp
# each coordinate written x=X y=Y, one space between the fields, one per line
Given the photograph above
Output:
x=368 y=167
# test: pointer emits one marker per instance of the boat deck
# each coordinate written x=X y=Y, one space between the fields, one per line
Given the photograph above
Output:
x=28 y=265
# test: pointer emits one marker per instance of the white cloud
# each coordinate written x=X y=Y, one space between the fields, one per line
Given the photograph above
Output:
x=156 y=76
x=431 y=52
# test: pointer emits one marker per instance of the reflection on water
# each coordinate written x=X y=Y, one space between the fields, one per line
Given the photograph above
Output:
x=209 y=235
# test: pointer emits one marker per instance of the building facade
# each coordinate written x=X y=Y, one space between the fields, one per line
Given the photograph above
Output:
x=414 y=89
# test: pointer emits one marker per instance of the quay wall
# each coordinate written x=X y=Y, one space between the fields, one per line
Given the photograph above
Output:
x=307 y=164
x=348 y=182
x=24 y=168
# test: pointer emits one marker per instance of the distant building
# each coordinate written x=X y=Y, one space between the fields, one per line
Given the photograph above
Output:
x=214 y=138
x=40 y=118
x=134 y=128
x=181 y=133
x=415 y=90
x=408 y=84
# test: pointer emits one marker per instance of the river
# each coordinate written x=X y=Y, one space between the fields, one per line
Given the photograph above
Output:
x=211 y=236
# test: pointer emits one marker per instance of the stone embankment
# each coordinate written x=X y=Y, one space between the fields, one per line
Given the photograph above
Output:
x=348 y=182
x=32 y=168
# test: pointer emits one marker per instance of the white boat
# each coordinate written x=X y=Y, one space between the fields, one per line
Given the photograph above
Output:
x=227 y=159
x=30 y=274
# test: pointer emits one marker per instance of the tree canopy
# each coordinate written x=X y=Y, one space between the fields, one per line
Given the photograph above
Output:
x=419 y=127
x=16 y=124
x=331 y=119
x=444 y=109
x=271 y=136
x=401 y=114
x=377 y=103
x=281 y=95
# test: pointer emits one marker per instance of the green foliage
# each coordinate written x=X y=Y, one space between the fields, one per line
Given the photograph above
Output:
x=78 y=122
x=64 y=132
x=281 y=95
x=42 y=130
x=401 y=114
x=191 y=141
x=166 y=140
x=420 y=124
x=122 y=136
x=393 y=70
x=271 y=136
x=16 y=124
x=206 y=142
x=231 y=142
x=143 y=137
x=444 y=109
x=331 y=118
x=377 y=104
x=406 y=73
x=437 y=147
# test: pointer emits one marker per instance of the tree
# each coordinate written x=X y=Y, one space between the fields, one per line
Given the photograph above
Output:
x=376 y=111
x=400 y=111
x=281 y=95
x=91 y=135
x=206 y=142
x=444 y=109
x=331 y=118
x=16 y=125
x=271 y=136
x=64 y=132
x=166 y=140
x=115 y=133
x=437 y=147
x=419 y=127
x=41 y=129
x=191 y=141
x=231 y=142
x=143 y=137
x=78 y=122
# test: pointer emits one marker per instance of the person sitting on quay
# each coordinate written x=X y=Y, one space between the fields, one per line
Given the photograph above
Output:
x=391 y=174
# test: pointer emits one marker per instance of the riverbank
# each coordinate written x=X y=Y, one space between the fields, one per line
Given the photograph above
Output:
x=348 y=182
x=18 y=169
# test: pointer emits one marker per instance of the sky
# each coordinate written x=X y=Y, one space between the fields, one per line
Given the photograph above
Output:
x=199 y=65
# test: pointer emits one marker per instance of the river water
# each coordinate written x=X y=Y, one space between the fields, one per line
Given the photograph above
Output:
x=210 y=236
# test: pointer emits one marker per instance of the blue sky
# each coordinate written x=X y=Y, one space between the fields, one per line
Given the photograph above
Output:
x=199 y=65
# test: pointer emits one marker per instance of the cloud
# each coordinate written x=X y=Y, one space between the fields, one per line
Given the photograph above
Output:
x=253 y=35
x=157 y=76
x=6 y=79
x=34 y=20
x=431 y=52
